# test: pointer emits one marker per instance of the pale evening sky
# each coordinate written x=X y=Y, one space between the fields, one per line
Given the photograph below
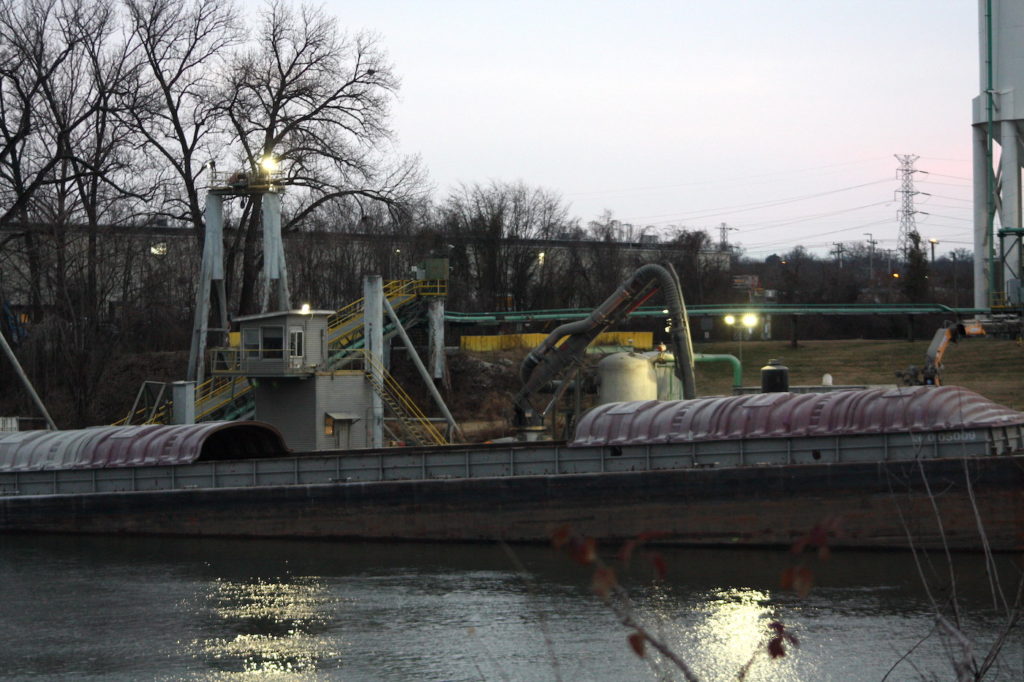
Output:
x=778 y=117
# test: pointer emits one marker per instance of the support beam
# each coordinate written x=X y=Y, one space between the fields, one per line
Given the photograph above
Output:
x=211 y=279
x=50 y=425
x=373 y=332
x=275 y=270
x=435 y=327
x=1009 y=207
x=453 y=427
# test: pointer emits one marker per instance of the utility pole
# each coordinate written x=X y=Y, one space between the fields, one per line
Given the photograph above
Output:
x=838 y=251
x=906 y=212
x=872 y=242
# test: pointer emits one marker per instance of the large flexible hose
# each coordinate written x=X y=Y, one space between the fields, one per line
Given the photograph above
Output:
x=553 y=355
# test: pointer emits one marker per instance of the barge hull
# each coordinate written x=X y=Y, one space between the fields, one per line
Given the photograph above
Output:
x=865 y=504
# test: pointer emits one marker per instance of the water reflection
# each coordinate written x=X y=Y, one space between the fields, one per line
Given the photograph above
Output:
x=273 y=627
x=136 y=608
x=733 y=626
x=720 y=632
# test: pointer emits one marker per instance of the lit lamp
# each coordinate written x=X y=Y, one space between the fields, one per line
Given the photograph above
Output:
x=933 y=241
x=747 y=322
x=269 y=164
x=270 y=167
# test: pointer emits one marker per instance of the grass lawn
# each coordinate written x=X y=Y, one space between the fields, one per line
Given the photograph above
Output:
x=992 y=367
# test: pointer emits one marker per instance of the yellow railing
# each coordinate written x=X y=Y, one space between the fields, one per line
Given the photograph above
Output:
x=216 y=392
x=394 y=290
x=211 y=395
x=404 y=402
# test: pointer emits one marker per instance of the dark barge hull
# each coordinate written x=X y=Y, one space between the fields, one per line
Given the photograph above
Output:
x=889 y=504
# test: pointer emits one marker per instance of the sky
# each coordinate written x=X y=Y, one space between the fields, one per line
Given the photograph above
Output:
x=780 y=118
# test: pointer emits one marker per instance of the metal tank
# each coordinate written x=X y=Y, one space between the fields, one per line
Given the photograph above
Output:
x=625 y=377
x=664 y=364
x=998 y=113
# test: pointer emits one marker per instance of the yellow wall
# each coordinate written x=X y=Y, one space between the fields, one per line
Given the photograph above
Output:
x=509 y=341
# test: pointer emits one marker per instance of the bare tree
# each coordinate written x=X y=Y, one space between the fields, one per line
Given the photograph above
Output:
x=494 y=230
x=184 y=46
x=317 y=99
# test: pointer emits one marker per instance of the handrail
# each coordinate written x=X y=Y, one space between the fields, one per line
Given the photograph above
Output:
x=392 y=288
x=392 y=386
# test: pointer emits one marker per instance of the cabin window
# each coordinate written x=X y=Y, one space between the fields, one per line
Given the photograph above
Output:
x=250 y=343
x=272 y=340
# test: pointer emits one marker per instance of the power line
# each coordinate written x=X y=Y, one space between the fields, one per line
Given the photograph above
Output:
x=741 y=208
x=729 y=180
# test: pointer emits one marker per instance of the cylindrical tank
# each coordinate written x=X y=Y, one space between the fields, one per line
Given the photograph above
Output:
x=1007 y=54
x=998 y=120
x=664 y=363
x=774 y=377
x=626 y=377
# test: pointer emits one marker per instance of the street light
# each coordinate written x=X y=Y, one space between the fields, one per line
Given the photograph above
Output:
x=747 y=322
x=933 y=241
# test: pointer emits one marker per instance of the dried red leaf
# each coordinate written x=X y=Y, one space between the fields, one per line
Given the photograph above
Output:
x=604 y=581
x=626 y=553
x=660 y=565
x=786 y=579
x=636 y=642
x=583 y=551
x=560 y=536
x=776 y=648
x=803 y=580
x=650 y=535
x=818 y=537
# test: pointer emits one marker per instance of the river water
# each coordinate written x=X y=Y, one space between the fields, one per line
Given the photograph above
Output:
x=76 y=608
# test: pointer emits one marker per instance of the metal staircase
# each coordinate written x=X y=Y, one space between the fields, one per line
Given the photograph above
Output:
x=416 y=426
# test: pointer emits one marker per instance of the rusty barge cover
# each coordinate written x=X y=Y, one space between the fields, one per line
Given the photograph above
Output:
x=791 y=415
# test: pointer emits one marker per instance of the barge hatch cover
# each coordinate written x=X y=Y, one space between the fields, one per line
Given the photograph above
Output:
x=107 y=447
x=788 y=415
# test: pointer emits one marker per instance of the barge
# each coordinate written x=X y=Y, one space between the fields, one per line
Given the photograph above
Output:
x=880 y=468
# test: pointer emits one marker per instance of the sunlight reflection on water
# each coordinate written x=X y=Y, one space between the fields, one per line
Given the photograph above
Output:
x=277 y=629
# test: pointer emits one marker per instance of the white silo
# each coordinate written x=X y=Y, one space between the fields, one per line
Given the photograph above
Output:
x=998 y=113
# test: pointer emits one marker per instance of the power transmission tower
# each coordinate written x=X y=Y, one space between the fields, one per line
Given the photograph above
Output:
x=723 y=240
x=908 y=225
